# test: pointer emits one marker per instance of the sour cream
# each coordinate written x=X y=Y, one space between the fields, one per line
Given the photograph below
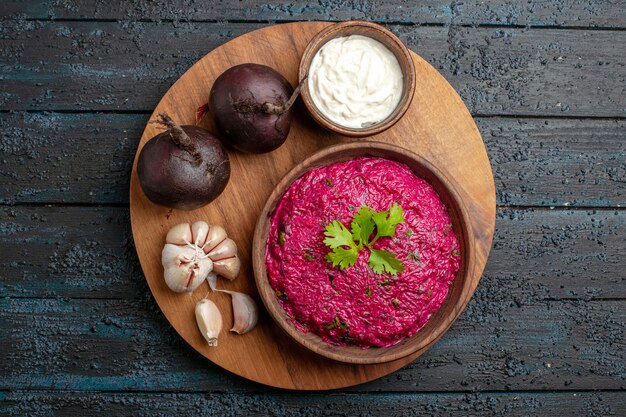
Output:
x=355 y=81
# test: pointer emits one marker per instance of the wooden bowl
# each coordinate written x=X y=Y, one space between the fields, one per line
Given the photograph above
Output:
x=458 y=293
x=384 y=36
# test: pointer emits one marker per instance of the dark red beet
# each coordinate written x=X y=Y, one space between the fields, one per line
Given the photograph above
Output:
x=251 y=106
x=185 y=167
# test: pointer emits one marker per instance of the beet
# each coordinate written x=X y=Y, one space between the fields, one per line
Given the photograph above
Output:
x=184 y=167
x=251 y=106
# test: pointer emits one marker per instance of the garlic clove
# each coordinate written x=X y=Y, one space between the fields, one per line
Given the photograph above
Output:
x=228 y=268
x=177 y=278
x=181 y=274
x=209 y=320
x=206 y=267
x=175 y=255
x=199 y=230
x=212 y=280
x=185 y=278
x=226 y=249
x=216 y=235
x=245 y=312
x=179 y=234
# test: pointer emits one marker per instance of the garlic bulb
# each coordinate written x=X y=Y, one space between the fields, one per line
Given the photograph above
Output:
x=209 y=320
x=189 y=254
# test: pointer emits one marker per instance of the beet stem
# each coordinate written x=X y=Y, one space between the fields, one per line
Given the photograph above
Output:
x=271 y=108
x=248 y=106
x=178 y=135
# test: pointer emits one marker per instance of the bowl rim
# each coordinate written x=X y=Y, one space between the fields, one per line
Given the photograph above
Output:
x=312 y=341
x=333 y=31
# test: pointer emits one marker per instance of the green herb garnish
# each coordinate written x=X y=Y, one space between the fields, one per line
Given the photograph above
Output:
x=281 y=238
x=368 y=291
x=383 y=260
x=332 y=325
x=308 y=256
x=328 y=182
x=346 y=244
x=339 y=238
x=386 y=221
x=395 y=302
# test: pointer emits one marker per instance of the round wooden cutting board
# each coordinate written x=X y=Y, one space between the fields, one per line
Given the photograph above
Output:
x=437 y=126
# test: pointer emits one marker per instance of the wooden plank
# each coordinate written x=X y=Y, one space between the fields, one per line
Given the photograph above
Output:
x=578 y=13
x=535 y=161
x=67 y=158
x=19 y=403
x=116 y=66
x=528 y=72
x=547 y=254
x=497 y=71
x=88 y=252
x=557 y=162
x=69 y=252
x=99 y=345
x=83 y=344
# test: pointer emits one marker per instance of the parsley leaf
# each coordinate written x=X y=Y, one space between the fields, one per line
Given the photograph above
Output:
x=386 y=221
x=343 y=257
x=346 y=244
x=363 y=225
x=384 y=260
x=337 y=238
x=338 y=235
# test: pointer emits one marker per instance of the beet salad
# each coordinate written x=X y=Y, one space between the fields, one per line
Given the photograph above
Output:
x=361 y=252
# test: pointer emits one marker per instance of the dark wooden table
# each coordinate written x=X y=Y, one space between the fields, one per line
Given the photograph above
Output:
x=544 y=334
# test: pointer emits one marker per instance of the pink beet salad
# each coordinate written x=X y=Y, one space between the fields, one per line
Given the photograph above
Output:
x=361 y=252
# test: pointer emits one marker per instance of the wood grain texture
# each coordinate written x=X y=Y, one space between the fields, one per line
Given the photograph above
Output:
x=442 y=132
x=537 y=255
x=578 y=13
x=515 y=404
x=128 y=66
x=500 y=343
x=557 y=162
x=536 y=162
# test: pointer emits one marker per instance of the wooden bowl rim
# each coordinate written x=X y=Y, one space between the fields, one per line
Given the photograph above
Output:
x=334 y=31
x=373 y=355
